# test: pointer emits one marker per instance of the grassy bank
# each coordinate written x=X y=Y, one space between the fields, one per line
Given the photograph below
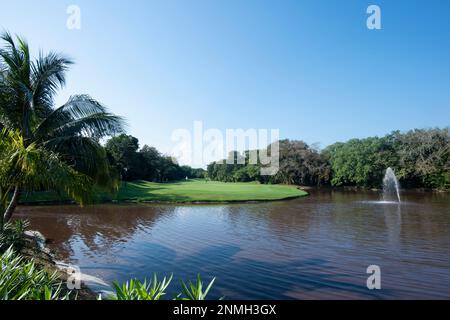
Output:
x=186 y=192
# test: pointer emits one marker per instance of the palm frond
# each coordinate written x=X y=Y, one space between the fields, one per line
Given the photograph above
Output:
x=96 y=126
x=48 y=74
x=80 y=115
x=34 y=168
x=16 y=85
x=86 y=156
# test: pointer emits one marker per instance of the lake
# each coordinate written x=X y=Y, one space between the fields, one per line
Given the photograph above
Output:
x=317 y=247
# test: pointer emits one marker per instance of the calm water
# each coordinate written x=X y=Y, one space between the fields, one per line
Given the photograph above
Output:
x=317 y=247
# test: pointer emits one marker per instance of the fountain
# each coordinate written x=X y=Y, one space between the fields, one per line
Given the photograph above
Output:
x=391 y=186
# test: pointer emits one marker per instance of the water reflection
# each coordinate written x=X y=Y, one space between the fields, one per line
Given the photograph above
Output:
x=316 y=247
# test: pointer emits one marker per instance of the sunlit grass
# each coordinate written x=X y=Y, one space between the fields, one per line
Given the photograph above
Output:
x=189 y=192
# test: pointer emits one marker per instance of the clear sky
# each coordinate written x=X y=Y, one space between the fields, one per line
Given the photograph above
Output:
x=309 y=68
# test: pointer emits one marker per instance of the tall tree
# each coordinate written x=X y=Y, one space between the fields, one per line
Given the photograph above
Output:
x=72 y=131
x=424 y=157
x=123 y=150
x=152 y=163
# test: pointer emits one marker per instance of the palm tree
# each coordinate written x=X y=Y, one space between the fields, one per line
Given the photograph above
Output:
x=71 y=132
x=35 y=167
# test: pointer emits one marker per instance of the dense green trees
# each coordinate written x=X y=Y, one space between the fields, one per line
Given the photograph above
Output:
x=299 y=164
x=423 y=157
x=145 y=164
x=419 y=157
x=122 y=152
x=360 y=162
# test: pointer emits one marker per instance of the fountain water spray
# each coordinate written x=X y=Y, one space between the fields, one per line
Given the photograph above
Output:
x=390 y=185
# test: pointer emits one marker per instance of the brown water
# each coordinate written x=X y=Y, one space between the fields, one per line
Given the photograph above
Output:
x=317 y=247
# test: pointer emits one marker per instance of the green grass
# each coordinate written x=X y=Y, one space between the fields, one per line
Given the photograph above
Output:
x=188 y=192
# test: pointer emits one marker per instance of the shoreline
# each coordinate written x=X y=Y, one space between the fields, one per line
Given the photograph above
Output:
x=131 y=201
x=35 y=249
x=305 y=189
x=183 y=192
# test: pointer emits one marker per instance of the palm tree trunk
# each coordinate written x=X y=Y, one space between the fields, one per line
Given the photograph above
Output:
x=12 y=205
x=2 y=207
x=1 y=219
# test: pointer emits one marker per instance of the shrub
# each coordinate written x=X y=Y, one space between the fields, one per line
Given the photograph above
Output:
x=156 y=290
x=13 y=235
x=194 y=291
x=136 y=290
x=22 y=280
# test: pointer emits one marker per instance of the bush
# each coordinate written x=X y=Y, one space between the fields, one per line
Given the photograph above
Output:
x=136 y=290
x=194 y=291
x=22 y=280
x=156 y=290
x=12 y=235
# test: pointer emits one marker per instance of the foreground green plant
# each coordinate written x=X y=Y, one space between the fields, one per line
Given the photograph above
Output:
x=194 y=291
x=136 y=290
x=156 y=290
x=12 y=235
x=23 y=280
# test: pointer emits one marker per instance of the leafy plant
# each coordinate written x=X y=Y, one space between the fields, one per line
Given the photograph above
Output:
x=156 y=290
x=194 y=291
x=136 y=290
x=22 y=280
x=12 y=235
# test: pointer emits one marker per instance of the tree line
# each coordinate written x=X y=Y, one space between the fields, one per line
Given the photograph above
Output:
x=146 y=163
x=419 y=157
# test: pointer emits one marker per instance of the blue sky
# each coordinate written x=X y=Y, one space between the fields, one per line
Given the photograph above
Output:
x=309 y=68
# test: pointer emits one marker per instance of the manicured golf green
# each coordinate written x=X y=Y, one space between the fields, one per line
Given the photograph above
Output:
x=192 y=191
x=202 y=191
